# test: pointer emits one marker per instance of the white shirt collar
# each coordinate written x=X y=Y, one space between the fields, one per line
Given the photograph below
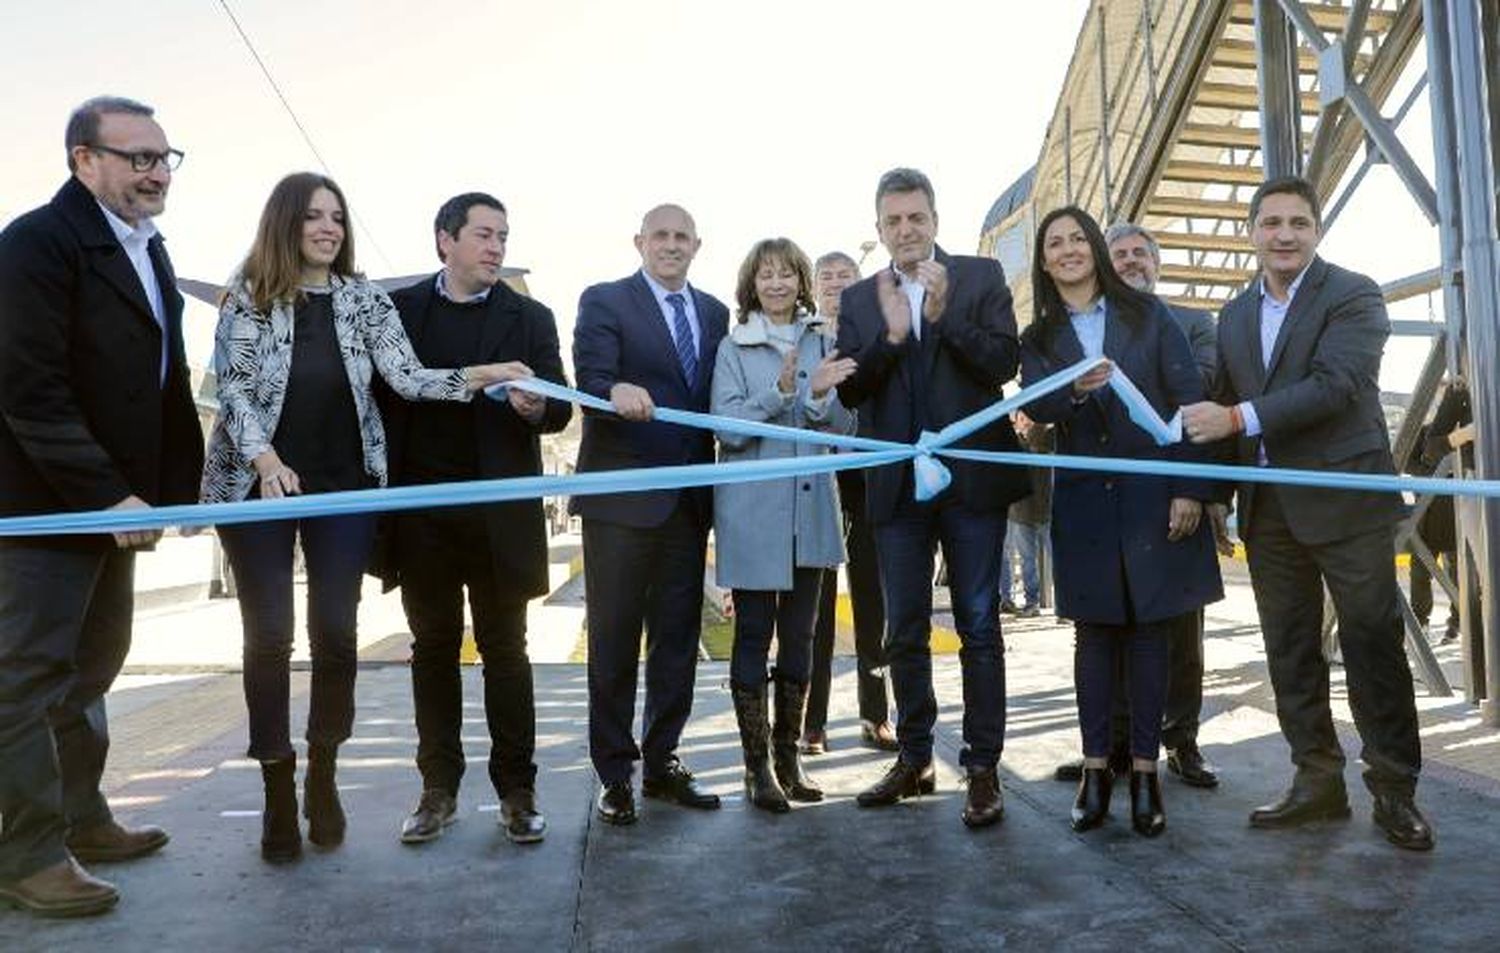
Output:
x=901 y=277
x=661 y=291
x=1291 y=291
x=141 y=233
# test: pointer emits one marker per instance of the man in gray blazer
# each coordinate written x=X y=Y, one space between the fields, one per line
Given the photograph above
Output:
x=1299 y=362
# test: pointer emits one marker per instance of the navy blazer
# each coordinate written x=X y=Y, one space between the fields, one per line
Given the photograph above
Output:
x=1109 y=531
x=956 y=369
x=85 y=419
x=1318 y=402
x=621 y=337
x=516 y=328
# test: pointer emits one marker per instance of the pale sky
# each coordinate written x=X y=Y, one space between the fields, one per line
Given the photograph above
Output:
x=769 y=118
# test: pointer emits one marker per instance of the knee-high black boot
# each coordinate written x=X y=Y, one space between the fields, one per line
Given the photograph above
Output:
x=791 y=705
x=280 y=835
x=761 y=788
x=320 y=797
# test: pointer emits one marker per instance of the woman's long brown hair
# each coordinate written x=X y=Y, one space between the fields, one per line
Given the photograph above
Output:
x=273 y=269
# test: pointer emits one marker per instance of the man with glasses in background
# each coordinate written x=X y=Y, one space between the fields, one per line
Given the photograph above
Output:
x=96 y=412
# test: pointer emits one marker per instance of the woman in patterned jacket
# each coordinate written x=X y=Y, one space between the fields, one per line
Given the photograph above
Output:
x=300 y=333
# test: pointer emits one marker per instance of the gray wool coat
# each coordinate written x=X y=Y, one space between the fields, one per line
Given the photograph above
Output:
x=762 y=530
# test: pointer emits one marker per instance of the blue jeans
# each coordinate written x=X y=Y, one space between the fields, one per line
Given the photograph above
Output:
x=971 y=544
x=1023 y=543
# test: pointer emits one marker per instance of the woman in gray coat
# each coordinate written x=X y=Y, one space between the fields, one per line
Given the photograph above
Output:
x=774 y=538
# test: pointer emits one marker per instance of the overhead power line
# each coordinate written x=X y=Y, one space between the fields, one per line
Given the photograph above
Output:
x=296 y=121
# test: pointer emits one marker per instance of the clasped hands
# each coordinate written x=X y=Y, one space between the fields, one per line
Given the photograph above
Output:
x=895 y=306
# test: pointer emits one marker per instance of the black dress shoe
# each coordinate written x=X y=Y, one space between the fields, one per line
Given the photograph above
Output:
x=901 y=781
x=1187 y=763
x=616 y=803
x=985 y=803
x=1146 y=813
x=519 y=818
x=1091 y=806
x=1304 y=804
x=1403 y=824
x=677 y=784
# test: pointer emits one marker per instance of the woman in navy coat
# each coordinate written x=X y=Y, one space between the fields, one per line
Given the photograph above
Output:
x=1132 y=552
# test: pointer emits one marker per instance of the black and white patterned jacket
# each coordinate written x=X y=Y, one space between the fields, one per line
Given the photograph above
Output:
x=253 y=361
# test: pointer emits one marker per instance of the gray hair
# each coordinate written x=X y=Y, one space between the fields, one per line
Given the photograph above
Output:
x=83 y=123
x=904 y=180
x=835 y=258
x=1122 y=230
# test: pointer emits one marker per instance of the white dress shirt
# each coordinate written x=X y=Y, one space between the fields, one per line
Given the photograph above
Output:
x=669 y=316
x=134 y=240
x=915 y=293
x=1272 y=317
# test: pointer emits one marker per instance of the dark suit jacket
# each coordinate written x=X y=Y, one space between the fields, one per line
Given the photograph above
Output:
x=956 y=369
x=84 y=418
x=516 y=328
x=621 y=337
x=1109 y=530
x=1203 y=339
x=1319 y=401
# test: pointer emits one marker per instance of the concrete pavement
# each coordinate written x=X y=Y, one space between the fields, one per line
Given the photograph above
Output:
x=824 y=876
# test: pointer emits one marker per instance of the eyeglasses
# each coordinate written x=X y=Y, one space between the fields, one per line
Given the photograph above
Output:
x=145 y=160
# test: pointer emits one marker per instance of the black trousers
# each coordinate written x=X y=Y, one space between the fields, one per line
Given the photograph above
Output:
x=336 y=549
x=789 y=615
x=635 y=578
x=868 y=606
x=443 y=554
x=1287 y=577
x=1183 y=711
x=64 y=632
x=1101 y=653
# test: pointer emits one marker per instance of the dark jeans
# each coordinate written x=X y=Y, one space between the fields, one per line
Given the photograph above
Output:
x=443 y=553
x=64 y=632
x=868 y=605
x=336 y=550
x=790 y=615
x=636 y=577
x=1099 y=654
x=1288 y=579
x=971 y=544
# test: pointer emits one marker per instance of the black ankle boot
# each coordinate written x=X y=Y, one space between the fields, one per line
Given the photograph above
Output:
x=320 y=797
x=280 y=835
x=1092 y=804
x=791 y=705
x=1146 y=813
x=761 y=788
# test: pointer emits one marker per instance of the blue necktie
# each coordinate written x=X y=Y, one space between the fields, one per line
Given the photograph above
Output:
x=686 y=355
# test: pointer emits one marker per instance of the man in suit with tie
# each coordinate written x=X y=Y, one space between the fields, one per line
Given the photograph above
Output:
x=935 y=337
x=639 y=342
x=1298 y=386
x=96 y=412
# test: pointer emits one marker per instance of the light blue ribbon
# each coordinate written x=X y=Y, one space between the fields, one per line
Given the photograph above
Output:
x=931 y=477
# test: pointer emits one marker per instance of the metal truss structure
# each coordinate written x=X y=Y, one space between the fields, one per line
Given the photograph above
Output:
x=1173 y=111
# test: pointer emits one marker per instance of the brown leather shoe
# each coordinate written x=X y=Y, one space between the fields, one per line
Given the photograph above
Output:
x=881 y=737
x=901 y=781
x=519 y=818
x=63 y=890
x=985 y=803
x=111 y=841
